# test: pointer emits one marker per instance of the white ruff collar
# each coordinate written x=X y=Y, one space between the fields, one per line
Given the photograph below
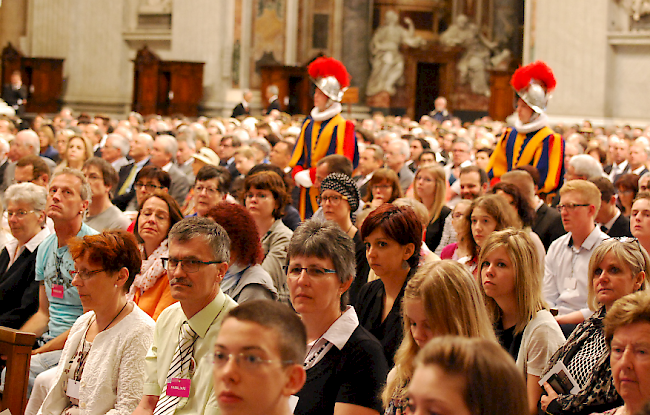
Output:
x=539 y=122
x=330 y=112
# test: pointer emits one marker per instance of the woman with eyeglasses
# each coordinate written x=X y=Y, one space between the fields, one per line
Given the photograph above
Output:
x=26 y=203
x=101 y=369
x=345 y=364
x=616 y=268
x=640 y=219
x=510 y=272
x=393 y=238
x=627 y=186
x=245 y=279
x=150 y=289
x=339 y=199
x=148 y=180
x=265 y=197
x=429 y=187
x=384 y=188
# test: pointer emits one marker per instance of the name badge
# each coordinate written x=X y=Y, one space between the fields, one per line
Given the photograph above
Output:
x=73 y=389
x=57 y=291
x=570 y=284
x=178 y=387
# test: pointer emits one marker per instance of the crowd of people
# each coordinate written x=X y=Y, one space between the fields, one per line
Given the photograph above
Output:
x=277 y=264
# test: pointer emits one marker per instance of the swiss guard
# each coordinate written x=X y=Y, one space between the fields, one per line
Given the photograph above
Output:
x=324 y=132
x=531 y=141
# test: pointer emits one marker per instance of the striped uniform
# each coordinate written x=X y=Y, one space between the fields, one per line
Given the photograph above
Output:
x=317 y=140
x=542 y=149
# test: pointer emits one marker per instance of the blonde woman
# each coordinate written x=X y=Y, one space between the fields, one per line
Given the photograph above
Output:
x=77 y=151
x=441 y=299
x=429 y=187
x=511 y=275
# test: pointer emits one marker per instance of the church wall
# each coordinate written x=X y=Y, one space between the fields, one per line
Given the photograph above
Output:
x=571 y=37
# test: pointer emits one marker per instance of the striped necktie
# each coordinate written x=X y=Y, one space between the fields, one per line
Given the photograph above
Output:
x=180 y=366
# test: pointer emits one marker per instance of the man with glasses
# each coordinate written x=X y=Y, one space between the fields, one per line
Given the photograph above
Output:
x=258 y=359
x=175 y=382
x=210 y=188
x=567 y=260
x=102 y=213
x=59 y=304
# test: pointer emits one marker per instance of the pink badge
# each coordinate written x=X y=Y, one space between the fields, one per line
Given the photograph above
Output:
x=178 y=387
x=57 y=291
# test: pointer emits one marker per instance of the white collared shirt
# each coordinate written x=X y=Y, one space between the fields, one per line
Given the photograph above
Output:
x=566 y=277
x=337 y=335
x=167 y=166
x=31 y=245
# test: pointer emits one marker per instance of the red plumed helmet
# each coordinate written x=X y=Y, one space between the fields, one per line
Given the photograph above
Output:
x=534 y=84
x=330 y=76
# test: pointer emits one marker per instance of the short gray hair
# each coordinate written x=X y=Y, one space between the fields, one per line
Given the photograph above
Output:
x=325 y=240
x=273 y=90
x=29 y=138
x=586 y=166
x=120 y=142
x=404 y=148
x=34 y=195
x=171 y=145
x=84 y=191
x=186 y=135
x=211 y=232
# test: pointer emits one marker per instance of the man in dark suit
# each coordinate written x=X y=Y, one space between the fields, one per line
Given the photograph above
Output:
x=139 y=152
x=15 y=94
x=548 y=222
x=272 y=95
x=620 y=151
x=638 y=159
x=163 y=155
x=609 y=217
x=243 y=108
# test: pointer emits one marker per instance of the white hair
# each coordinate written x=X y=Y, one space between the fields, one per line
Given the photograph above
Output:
x=404 y=148
x=586 y=166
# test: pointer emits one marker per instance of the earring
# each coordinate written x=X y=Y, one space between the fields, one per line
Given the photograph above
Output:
x=405 y=265
x=115 y=285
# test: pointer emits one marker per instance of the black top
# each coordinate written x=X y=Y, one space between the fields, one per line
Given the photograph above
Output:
x=18 y=289
x=369 y=307
x=363 y=269
x=509 y=340
x=353 y=375
x=434 y=229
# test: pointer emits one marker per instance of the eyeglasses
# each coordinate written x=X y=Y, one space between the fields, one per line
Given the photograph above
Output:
x=209 y=190
x=187 y=265
x=294 y=271
x=258 y=196
x=149 y=186
x=245 y=361
x=570 y=207
x=19 y=213
x=85 y=275
x=334 y=199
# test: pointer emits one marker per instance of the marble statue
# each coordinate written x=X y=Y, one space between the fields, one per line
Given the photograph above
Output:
x=387 y=61
x=640 y=8
x=475 y=60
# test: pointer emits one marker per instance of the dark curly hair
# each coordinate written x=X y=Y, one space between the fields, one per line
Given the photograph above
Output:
x=524 y=209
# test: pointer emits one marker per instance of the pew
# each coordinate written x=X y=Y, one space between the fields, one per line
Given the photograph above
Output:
x=17 y=347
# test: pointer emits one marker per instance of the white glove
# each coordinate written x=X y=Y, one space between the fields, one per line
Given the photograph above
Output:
x=302 y=178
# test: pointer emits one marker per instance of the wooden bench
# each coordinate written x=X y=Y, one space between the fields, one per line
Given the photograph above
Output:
x=17 y=346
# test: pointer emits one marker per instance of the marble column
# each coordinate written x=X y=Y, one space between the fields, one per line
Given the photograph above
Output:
x=357 y=20
x=13 y=23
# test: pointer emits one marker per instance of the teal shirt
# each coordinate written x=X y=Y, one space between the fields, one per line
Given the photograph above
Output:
x=206 y=323
x=53 y=266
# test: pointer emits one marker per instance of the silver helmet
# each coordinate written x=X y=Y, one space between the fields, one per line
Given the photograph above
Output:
x=535 y=96
x=330 y=86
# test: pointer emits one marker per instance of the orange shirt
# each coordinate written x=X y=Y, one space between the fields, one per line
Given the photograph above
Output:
x=155 y=299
